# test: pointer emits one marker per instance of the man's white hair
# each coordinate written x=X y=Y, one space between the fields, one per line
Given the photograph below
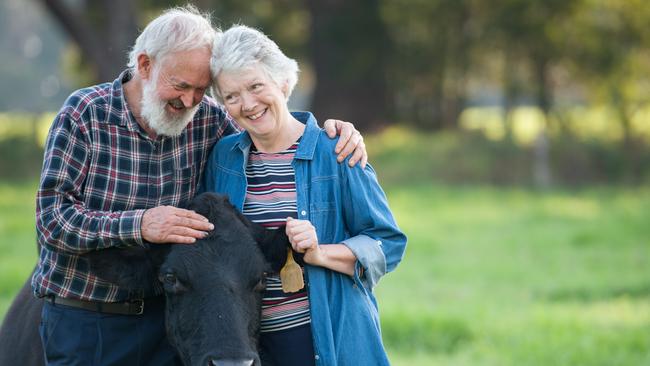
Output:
x=177 y=29
x=242 y=47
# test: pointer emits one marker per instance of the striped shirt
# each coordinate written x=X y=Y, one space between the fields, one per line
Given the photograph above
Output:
x=101 y=171
x=270 y=199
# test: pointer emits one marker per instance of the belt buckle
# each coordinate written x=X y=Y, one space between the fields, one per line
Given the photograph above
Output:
x=139 y=303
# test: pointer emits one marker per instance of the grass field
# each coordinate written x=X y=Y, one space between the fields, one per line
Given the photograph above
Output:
x=491 y=276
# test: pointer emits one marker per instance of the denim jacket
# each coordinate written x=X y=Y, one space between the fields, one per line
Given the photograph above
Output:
x=345 y=205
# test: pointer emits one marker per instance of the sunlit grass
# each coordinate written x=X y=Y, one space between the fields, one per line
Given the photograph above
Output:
x=517 y=277
x=17 y=238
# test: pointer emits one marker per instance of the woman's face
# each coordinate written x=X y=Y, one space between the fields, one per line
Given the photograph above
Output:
x=255 y=101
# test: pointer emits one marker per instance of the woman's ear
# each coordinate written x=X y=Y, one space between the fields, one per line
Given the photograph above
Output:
x=285 y=89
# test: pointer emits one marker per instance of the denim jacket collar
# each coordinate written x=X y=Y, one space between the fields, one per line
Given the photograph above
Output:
x=308 y=140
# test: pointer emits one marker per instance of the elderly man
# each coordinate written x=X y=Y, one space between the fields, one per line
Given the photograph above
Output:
x=120 y=158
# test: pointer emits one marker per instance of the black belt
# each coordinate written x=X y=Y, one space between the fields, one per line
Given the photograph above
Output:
x=131 y=307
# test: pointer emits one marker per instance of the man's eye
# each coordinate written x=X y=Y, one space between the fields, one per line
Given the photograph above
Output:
x=181 y=87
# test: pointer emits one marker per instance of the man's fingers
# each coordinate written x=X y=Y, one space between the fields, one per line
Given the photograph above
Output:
x=178 y=239
x=187 y=232
x=347 y=131
x=179 y=234
x=350 y=146
x=166 y=224
x=194 y=223
x=331 y=127
x=359 y=156
x=189 y=214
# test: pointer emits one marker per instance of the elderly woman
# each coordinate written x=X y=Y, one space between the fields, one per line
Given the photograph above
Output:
x=281 y=170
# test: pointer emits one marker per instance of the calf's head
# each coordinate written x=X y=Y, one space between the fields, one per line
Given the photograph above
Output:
x=214 y=289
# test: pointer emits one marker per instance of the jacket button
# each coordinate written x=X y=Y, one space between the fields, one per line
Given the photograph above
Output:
x=303 y=213
x=317 y=357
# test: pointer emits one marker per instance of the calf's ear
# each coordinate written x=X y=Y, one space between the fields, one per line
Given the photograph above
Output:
x=274 y=244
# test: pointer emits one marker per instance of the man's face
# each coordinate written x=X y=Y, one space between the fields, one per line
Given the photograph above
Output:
x=173 y=90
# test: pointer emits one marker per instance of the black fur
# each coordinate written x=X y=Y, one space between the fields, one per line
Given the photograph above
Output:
x=213 y=288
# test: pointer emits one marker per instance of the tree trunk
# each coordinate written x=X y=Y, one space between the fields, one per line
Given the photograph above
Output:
x=349 y=47
x=103 y=44
x=541 y=165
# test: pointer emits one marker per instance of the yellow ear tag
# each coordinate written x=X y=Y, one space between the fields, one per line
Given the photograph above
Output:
x=291 y=275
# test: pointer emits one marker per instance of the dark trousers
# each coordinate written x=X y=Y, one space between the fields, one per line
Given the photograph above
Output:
x=80 y=337
x=291 y=347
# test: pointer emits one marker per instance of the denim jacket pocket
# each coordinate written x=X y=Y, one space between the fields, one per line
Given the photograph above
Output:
x=323 y=215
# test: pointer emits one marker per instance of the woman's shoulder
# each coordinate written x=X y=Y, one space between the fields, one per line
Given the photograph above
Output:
x=229 y=141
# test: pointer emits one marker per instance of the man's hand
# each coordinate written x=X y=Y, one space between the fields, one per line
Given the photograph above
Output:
x=350 y=140
x=167 y=224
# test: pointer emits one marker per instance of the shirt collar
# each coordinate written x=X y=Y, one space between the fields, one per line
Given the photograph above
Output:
x=127 y=119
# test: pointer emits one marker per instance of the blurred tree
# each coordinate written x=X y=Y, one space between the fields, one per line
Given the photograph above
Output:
x=103 y=30
x=610 y=52
x=30 y=59
x=526 y=32
x=431 y=60
x=349 y=47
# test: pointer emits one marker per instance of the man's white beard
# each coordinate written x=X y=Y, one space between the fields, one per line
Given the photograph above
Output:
x=154 y=113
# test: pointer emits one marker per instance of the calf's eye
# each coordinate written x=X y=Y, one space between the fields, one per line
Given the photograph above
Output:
x=169 y=278
x=171 y=283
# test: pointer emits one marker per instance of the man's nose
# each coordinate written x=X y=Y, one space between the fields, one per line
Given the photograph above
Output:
x=190 y=98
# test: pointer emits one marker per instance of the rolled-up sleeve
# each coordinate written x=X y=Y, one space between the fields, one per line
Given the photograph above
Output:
x=376 y=240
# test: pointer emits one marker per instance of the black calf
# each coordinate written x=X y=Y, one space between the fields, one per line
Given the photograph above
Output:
x=213 y=288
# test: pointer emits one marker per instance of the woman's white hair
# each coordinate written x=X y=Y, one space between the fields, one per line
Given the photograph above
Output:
x=177 y=29
x=242 y=47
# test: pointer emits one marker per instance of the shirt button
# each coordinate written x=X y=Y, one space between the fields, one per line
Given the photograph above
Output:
x=317 y=357
x=303 y=213
x=379 y=242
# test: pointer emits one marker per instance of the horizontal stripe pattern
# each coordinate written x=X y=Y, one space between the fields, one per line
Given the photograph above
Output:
x=270 y=199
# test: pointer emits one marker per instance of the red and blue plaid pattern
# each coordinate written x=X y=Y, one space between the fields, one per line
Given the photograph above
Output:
x=100 y=173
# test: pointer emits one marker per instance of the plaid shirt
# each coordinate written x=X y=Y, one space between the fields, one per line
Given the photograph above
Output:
x=100 y=173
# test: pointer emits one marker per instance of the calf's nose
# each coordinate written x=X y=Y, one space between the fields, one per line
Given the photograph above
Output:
x=220 y=362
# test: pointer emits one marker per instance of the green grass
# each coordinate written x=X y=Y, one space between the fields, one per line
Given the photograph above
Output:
x=17 y=238
x=515 y=277
x=492 y=276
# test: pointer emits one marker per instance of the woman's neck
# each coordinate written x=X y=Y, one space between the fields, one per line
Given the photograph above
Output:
x=281 y=139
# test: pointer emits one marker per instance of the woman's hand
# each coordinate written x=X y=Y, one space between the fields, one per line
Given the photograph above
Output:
x=303 y=239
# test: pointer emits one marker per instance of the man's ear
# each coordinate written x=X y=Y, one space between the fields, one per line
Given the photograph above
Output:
x=145 y=66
